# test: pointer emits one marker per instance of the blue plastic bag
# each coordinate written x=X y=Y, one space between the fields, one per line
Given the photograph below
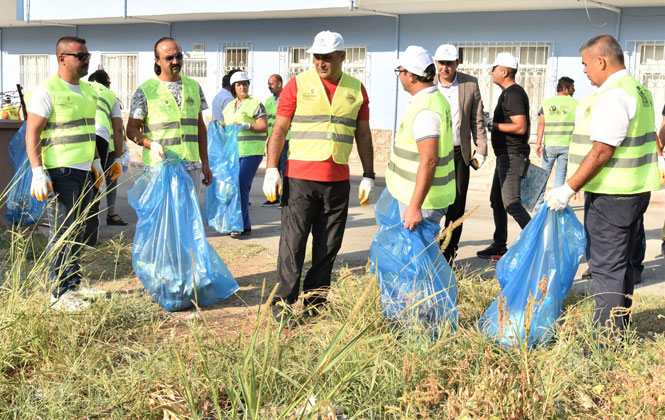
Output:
x=171 y=255
x=550 y=246
x=22 y=208
x=221 y=209
x=417 y=284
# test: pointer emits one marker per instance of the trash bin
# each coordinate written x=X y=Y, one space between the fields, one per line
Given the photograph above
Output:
x=7 y=130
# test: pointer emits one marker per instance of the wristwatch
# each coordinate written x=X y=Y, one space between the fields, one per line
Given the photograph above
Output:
x=371 y=175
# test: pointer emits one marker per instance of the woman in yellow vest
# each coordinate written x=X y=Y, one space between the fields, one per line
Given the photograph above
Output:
x=251 y=114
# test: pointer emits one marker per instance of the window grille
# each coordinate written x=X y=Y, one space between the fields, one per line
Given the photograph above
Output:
x=355 y=62
x=122 y=71
x=33 y=69
x=295 y=60
x=234 y=55
x=650 y=71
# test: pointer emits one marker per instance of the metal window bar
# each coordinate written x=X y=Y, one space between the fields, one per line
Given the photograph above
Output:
x=122 y=70
x=648 y=64
x=195 y=68
x=33 y=69
x=355 y=63
x=234 y=55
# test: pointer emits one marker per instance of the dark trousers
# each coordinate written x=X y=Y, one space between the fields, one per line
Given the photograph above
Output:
x=73 y=192
x=505 y=195
x=320 y=208
x=612 y=223
x=248 y=167
x=92 y=224
x=456 y=210
x=281 y=166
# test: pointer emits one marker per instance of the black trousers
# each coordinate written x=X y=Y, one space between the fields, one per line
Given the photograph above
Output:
x=92 y=224
x=456 y=210
x=320 y=208
x=612 y=223
x=505 y=197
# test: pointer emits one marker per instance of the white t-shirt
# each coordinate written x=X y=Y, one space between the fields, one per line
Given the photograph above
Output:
x=451 y=93
x=611 y=116
x=100 y=130
x=426 y=123
x=41 y=104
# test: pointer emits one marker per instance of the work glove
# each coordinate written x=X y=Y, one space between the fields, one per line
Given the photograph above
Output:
x=558 y=198
x=97 y=172
x=245 y=125
x=115 y=171
x=489 y=123
x=272 y=184
x=365 y=190
x=480 y=159
x=661 y=168
x=41 y=183
x=156 y=152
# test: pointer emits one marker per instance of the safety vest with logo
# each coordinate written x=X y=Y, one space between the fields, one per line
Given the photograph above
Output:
x=559 y=112
x=249 y=142
x=633 y=167
x=68 y=138
x=405 y=159
x=176 y=129
x=321 y=129
x=12 y=112
x=105 y=100
x=271 y=113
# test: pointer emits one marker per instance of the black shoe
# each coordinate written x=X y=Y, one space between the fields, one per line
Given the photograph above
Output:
x=662 y=248
x=494 y=250
x=587 y=274
x=270 y=203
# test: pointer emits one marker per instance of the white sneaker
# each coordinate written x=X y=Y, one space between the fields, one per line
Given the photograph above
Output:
x=68 y=302
x=87 y=292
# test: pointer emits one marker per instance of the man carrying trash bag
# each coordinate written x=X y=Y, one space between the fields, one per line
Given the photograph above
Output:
x=613 y=159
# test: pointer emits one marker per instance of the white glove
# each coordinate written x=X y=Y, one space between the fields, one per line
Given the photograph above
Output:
x=97 y=172
x=272 y=184
x=365 y=191
x=245 y=125
x=489 y=123
x=661 y=168
x=156 y=152
x=480 y=159
x=41 y=183
x=558 y=198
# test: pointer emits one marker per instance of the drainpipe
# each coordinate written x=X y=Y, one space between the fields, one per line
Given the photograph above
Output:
x=353 y=7
x=124 y=16
x=26 y=16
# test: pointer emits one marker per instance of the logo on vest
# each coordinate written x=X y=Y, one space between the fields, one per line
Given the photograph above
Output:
x=644 y=95
x=351 y=98
x=189 y=100
x=309 y=95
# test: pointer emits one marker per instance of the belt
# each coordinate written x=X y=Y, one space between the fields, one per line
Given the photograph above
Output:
x=457 y=147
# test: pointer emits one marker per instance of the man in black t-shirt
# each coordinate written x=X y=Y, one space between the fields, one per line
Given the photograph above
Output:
x=510 y=141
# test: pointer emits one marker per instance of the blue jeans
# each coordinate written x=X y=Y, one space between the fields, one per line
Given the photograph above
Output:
x=551 y=154
x=73 y=193
x=433 y=215
x=248 y=167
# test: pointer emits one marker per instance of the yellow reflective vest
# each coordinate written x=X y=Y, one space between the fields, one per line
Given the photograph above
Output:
x=12 y=112
x=559 y=113
x=321 y=129
x=633 y=167
x=68 y=138
x=405 y=159
x=175 y=128
x=249 y=142
x=105 y=100
x=271 y=114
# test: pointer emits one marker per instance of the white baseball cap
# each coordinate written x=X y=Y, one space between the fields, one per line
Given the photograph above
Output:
x=326 y=42
x=239 y=76
x=415 y=59
x=505 y=59
x=446 y=52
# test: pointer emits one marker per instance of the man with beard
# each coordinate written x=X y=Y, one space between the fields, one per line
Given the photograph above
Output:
x=165 y=114
x=60 y=142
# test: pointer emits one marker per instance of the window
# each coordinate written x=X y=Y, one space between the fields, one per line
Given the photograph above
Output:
x=234 y=55
x=650 y=71
x=355 y=62
x=197 y=69
x=533 y=57
x=295 y=60
x=33 y=68
x=122 y=70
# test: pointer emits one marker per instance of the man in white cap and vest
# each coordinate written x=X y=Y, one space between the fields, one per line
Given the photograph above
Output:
x=165 y=114
x=60 y=142
x=510 y=128
x=613 y=158
x=325 y=109
x=421 y=170
x=466 y=106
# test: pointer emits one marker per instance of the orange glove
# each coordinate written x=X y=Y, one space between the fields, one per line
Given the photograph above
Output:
x=115 y=171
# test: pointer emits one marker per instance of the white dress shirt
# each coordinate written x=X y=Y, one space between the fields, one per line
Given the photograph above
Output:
x=451 y=93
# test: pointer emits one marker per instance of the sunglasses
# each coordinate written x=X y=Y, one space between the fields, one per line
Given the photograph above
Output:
x=494 y=68
x=171 y=57
x=81 y=56
x=398 y=71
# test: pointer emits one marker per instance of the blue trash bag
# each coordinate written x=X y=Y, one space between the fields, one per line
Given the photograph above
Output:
x=22 y=208
x=171 y=255
x=417 y=284
x=386 y=213
x=550 y=246
x=221 y=209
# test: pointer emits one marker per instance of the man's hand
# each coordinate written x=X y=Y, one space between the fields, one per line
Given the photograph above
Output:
x=245 y=125
x=480 y=159
x=97 y=172
x=207 y=174
x=489 y=123
x=413 y=217
x=558 y=198
x=365 y=191
x=41 y=183
x=539 y=150
x=272 y=184
x=661 y=168
x=115 y=171
x=156 y=152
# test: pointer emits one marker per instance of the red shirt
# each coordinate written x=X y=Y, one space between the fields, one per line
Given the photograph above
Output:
x=327 y=170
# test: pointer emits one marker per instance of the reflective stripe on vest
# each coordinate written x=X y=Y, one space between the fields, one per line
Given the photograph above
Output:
x=633 y=167
x=271 y=115
x=12 y=112
x=405 y=159
x=176 y=129
x=68 y=137
x=559 y=113
x=249 y=142
x=105 y=102
x=321 y=129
